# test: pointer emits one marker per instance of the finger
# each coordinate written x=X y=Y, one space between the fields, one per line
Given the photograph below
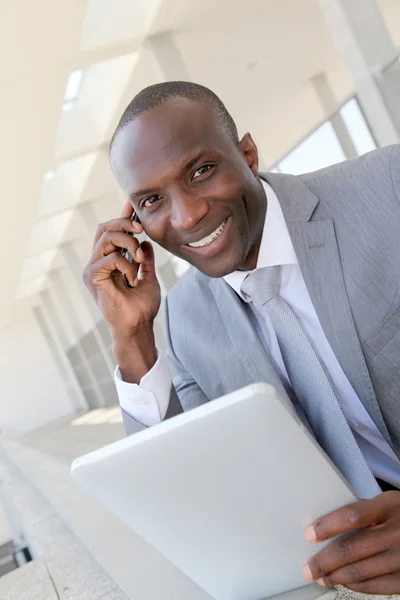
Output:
x=376 y=566
x=353 y=516
x=112 y=241
x=125 y=225
x=349 y=550
x=127 y=211
x=147 y=263
x=104 y=271
x=386 y=585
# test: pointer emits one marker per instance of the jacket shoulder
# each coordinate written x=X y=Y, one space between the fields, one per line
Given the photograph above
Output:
x=192 y=286
x=373 y=175
x=371 y=165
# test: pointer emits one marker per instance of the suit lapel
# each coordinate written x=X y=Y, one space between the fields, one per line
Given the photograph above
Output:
x=318 y=255
x=244 y=337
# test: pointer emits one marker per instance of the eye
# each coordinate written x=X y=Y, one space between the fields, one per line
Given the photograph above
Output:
x=149 y=201
x=201 y=171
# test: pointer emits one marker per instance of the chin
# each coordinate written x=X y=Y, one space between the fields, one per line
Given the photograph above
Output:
x=219 y=269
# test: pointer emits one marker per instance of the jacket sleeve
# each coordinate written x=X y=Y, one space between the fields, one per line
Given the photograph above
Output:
x=395 y=169
x=185 y=393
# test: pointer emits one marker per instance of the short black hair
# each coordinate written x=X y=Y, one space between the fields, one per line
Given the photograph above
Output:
x=154 y=95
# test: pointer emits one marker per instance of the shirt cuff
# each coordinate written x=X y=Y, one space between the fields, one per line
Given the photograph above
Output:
x=147 y=402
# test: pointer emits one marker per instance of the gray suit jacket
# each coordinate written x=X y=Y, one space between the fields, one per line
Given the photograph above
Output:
x=344 y=222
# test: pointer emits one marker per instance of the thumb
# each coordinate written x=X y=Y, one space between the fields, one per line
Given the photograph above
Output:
x=147 y=266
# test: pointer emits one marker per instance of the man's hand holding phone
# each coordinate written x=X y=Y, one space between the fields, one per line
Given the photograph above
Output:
x=140 y=237
x=130 y=310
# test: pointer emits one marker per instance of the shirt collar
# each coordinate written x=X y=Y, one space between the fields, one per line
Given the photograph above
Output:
x=276 y=247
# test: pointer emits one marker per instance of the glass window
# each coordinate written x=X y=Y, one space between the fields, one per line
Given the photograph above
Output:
x=71 y=91
x=357 y=127
x=73 y=85
x=319 y=150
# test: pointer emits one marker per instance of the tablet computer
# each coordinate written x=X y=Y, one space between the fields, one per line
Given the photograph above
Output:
x=225 y=491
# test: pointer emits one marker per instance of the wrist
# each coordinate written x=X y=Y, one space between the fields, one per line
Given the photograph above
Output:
x=131 y=338
x=136 y=352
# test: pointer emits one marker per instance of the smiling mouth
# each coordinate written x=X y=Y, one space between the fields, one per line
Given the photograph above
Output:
x=209 y=238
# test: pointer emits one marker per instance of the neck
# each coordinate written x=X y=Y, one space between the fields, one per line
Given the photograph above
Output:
x=257 y=225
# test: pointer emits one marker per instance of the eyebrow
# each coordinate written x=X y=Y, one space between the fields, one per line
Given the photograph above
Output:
x=186 y=165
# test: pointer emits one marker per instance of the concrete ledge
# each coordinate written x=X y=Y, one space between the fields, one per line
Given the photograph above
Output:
x=30 y=582
x=65 y=569
x=127 y=560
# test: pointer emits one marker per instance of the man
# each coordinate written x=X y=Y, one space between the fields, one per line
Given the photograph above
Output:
x=295 y=282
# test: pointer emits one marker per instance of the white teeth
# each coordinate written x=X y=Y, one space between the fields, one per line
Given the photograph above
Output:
x=210 y=238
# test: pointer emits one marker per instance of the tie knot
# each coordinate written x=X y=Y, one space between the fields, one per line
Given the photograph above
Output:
x=262 y=285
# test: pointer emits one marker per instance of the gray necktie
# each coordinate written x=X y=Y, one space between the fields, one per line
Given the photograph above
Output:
x=310 y=381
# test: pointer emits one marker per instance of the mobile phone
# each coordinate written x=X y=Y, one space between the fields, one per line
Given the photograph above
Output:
x=141 y=237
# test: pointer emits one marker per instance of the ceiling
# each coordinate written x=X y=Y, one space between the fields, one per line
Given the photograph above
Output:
x=258 y=55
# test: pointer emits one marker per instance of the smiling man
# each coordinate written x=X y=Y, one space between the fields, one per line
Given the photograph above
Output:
x=295 y=281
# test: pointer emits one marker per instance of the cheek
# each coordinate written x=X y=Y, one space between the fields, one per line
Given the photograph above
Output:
x=228 y=186
x=164 y=236
x=156 y=226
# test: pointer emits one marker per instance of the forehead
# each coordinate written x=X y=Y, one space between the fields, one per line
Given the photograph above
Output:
x=157 y=142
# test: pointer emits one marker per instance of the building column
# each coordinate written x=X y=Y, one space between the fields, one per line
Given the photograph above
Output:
x=56 y=320
x=331 y=108
x=89 y=218
x=169 y=57
x=66 y=303
x=75 y=267
x=360 y=34
x=60 y=337
x=63 y=365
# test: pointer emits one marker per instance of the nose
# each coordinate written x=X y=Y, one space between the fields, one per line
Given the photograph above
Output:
x=187 y=210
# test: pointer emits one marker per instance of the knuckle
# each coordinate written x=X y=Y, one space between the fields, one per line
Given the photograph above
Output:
x=106 y=234
x=134 y=245
x=129 y=244
x=86 y=275
x=352 y=574
x=316 y=568
x=345 y=549
x=88 y=280
x=100 y=228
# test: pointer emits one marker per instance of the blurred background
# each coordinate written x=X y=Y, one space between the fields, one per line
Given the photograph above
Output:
x=314 y=81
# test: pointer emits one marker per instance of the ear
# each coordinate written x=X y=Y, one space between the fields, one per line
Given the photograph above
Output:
x=250 y=152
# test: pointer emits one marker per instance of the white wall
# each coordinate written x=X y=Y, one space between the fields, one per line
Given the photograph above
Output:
x=31 y=390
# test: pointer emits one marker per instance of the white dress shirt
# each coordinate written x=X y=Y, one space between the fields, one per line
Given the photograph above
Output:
x=148 y=402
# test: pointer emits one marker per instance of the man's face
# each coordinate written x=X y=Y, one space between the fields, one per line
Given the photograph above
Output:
x=195 y=190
